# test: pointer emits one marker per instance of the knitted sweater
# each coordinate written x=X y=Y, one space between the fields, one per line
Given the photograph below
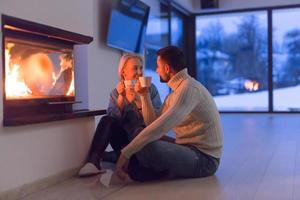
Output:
x=190 y=111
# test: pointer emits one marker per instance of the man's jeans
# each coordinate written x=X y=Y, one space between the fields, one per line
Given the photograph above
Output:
x=161 y=159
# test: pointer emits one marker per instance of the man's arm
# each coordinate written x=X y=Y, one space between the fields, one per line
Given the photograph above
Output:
x=151 y=103
x=174 y=114
x=148 y=111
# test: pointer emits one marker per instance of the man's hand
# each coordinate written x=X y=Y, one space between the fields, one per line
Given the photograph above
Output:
x=140 y=90
x=122 y=168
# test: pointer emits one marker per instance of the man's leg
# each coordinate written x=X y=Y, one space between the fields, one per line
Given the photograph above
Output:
x=171 y=160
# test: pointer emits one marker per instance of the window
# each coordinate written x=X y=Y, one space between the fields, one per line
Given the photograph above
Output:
x=232 y=59
x=177 y=27
x=157 y=36
x=165 y=27
x=286 y=60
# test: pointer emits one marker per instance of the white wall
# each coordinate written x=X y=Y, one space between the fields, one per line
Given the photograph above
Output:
x=32 y=152
x=103 y=60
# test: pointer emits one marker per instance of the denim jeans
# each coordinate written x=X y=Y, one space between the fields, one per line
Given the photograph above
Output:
x=161 y=159
x=109 y=130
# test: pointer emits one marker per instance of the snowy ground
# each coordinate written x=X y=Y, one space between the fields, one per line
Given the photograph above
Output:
x=285 y=99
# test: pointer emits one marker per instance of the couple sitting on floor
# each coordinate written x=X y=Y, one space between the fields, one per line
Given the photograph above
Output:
x=136 y=124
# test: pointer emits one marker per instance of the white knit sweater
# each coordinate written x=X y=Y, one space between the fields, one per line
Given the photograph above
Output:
x=190 y=111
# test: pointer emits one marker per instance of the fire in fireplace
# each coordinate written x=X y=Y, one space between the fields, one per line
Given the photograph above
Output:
x=35 y=71
x=38 y=68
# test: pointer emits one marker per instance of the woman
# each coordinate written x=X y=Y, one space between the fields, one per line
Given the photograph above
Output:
x=124 y=118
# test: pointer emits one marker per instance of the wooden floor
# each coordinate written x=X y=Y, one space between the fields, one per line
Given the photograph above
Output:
x=261 y=160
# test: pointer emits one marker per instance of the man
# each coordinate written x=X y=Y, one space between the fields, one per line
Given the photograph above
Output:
x=192 y=114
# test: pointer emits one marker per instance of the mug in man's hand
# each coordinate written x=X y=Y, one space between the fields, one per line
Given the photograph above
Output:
x=145 y=81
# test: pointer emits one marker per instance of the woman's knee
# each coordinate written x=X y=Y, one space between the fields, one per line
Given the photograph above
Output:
x=108 y=120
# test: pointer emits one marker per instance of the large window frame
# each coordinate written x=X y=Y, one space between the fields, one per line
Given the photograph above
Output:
x=169 y=8
x=269 y=11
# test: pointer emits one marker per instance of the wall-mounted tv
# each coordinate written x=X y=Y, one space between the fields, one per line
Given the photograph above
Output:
x=127 y=26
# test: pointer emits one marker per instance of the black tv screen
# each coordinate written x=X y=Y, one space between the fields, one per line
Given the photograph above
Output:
x=127 y=27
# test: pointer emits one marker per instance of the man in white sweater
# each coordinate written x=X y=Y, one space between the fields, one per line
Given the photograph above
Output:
x=192 y=114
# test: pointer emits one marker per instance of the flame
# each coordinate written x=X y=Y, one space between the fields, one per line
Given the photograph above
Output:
x=54 y=78
x=251 y=85
x=33 y=77
x=37 y=70
x=14 y=84
x=71 y=90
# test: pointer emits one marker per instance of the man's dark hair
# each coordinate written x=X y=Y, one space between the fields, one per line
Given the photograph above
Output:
x=173 y=56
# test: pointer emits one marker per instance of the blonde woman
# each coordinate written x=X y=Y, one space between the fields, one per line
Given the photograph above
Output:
x=124 y=119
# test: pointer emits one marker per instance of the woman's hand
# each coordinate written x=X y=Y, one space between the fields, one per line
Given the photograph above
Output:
x=121 y=88
x=121 y=91
x=130 y=95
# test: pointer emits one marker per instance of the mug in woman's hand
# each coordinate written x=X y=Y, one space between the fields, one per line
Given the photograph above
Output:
x=129 y=83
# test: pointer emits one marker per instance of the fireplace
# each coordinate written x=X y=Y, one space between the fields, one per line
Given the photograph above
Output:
x=38 y=69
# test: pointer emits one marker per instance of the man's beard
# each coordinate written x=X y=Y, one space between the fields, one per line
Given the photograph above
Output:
x=164 y=80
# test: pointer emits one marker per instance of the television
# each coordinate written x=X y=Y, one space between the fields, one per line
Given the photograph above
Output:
x=127 y=26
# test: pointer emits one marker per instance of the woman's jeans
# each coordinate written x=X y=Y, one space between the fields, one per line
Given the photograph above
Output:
x=109 y=130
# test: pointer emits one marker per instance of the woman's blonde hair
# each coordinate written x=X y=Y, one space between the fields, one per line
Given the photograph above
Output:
x=125 y=57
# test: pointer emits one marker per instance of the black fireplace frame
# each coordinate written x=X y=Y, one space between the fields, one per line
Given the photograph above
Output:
x=27 y=111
